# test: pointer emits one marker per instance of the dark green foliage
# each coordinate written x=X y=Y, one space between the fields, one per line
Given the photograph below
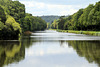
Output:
x=2 y=15
x=54 y=25
x=16 y=10
x=84 y=19
x=94 y=17
x=10 y=30
x=31 y=23
x=74 y=21
x=61 y=23
x=13 y=8
x=14 y=20
x=67 y=24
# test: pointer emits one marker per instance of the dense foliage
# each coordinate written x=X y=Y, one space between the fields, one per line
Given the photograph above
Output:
x=14 y=20
x=84 y=19
x=31 y=23
x=54 y=25
x=10 y=29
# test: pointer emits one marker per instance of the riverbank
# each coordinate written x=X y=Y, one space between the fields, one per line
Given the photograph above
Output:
x=94 y=33
x=27 y=33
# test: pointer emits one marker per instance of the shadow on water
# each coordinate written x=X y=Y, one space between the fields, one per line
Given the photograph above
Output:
x=11 y=52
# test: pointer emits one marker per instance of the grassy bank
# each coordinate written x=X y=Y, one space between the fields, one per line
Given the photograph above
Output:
x=94 y=33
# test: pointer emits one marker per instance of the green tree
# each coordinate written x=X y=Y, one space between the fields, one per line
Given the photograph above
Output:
x=54 y=25
x=2 y=15
x=94 y=17
x=75 y=18
x=83 y=20
x=61 y=22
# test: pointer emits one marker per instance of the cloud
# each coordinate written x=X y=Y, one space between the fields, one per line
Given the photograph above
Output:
x=39 y=8
x=55 y=7
x=64 y=2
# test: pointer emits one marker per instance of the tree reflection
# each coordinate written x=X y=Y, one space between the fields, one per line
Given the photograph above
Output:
x=10 y=52
x=28 y=41
x=88 y=49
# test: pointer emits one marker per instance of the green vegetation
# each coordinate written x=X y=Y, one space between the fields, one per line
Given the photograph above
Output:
x=31 y=23
x=87 y=19
x=48 y=25
x=94 y=33
x=50 y=19
x=54 y=25
x=88 y=49
x=14 y=20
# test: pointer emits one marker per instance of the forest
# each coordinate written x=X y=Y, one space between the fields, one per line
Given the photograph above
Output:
x=87 y=19
x=14 y=20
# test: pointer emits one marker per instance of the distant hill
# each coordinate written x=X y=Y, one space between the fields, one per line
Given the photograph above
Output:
x=49 y=18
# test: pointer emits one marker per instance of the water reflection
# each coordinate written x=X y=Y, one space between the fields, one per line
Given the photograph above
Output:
x=88 y=49
x=27 y=41
x=54 y=35
x=11 y=52
x=51 y=50
x=60 y=53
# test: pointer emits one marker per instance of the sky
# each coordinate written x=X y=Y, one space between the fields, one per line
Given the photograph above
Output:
x=55 y=7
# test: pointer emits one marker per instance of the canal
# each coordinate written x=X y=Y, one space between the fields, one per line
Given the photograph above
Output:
x=51 y=49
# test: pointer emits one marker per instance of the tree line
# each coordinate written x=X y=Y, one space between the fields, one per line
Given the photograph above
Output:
x=50 y=19
x=87 y=19
x=14 y=20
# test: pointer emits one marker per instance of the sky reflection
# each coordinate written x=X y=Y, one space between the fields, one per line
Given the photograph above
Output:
x=43 y=52
x=39 y=49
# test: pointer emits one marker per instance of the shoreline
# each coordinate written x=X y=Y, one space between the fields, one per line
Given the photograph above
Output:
x=27 y=33
x=93 y=33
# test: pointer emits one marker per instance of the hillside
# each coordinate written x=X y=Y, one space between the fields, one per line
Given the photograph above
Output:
x=50 y=18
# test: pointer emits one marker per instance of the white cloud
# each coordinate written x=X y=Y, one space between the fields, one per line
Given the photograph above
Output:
x=39 y=8
x=70 y=12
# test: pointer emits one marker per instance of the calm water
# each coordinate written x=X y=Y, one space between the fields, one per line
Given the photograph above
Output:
x=51 y=49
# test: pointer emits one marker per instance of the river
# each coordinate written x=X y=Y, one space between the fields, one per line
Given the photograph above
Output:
x=51 y=49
